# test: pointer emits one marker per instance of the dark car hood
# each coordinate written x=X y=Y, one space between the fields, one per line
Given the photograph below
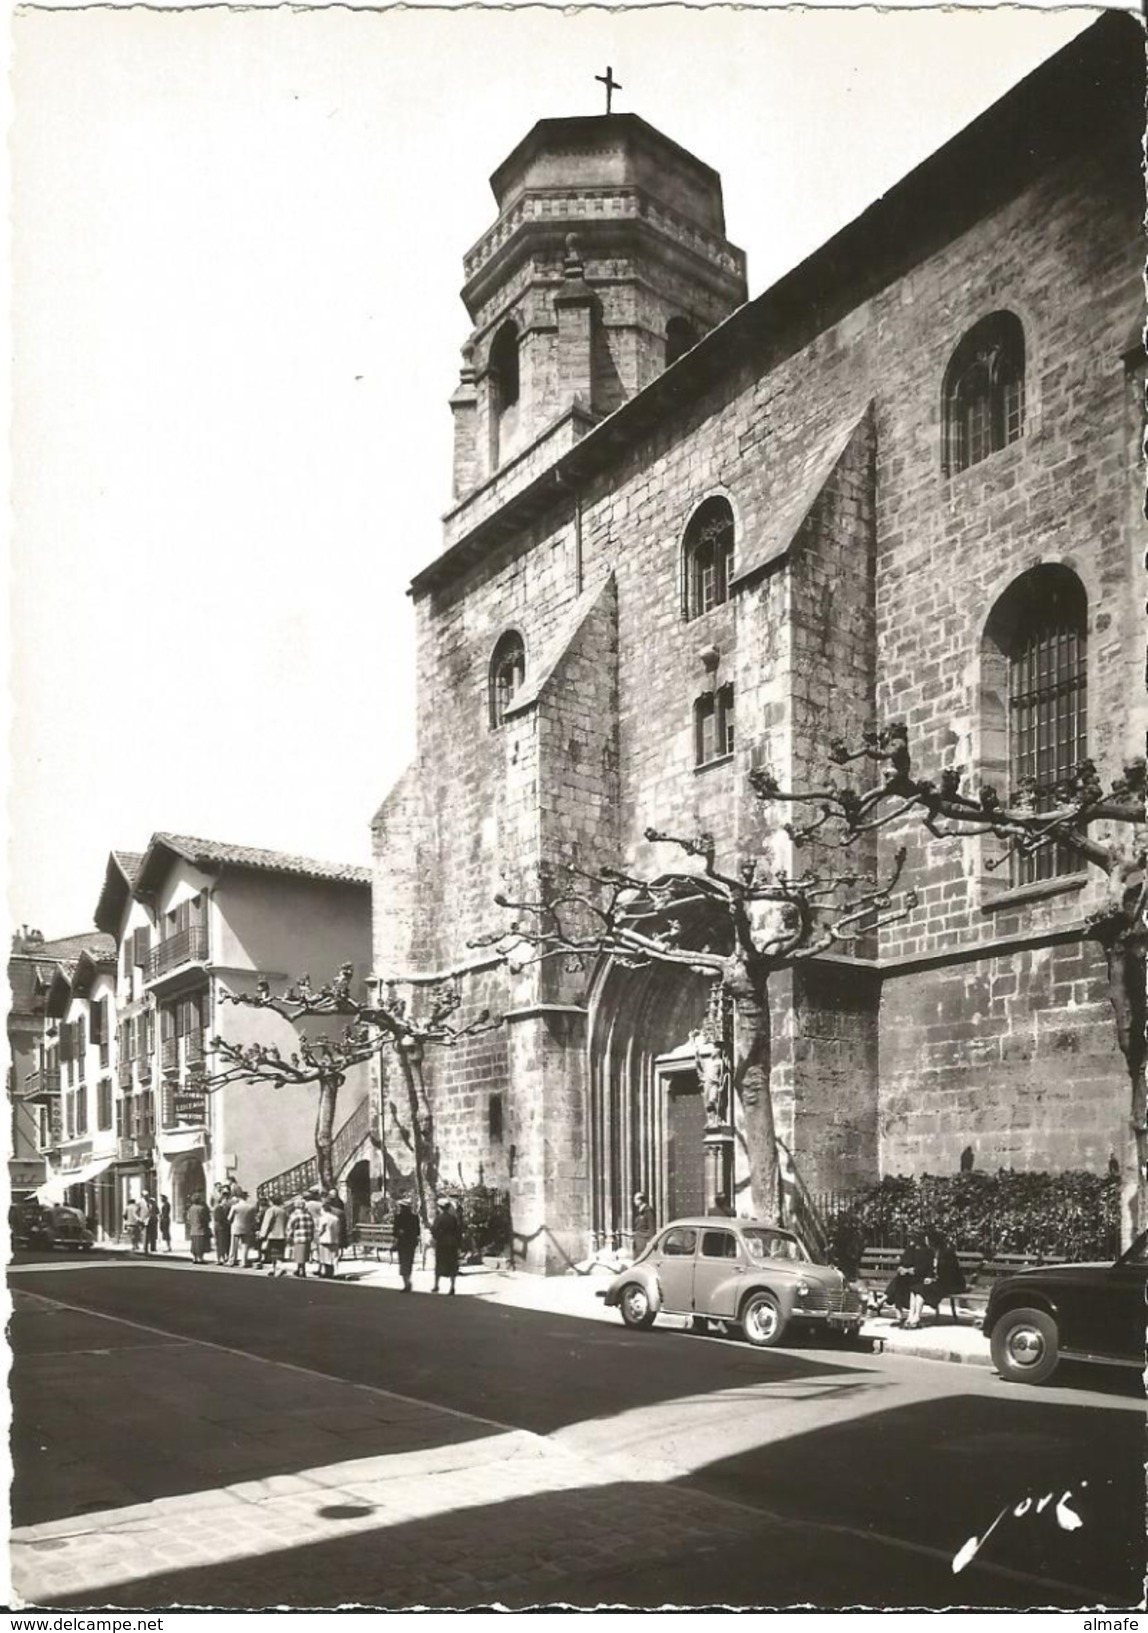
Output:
x=1062 y=1272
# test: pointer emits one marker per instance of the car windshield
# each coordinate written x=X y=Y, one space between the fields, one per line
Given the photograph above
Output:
x=774 y=1244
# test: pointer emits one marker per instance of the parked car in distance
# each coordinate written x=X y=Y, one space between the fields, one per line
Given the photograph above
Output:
x=741 y=1271
x=49 y=1226
x=1080 y=1312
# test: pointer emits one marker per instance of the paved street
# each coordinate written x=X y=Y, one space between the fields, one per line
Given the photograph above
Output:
x=197 y=1436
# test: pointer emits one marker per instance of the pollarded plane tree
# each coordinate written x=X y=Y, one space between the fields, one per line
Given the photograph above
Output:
x=738 y=928
x=369 y=1028
x=1077 y=808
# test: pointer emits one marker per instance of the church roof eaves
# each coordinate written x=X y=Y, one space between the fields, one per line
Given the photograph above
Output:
x=1062 y=105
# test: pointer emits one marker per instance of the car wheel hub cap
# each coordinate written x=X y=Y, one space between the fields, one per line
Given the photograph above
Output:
x=763 y=1320
x=636 y=1304
x=1026 y=1346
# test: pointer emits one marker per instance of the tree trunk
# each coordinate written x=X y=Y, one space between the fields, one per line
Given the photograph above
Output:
x=422 y=1130
x=1126 y=993
x=325 y=1129
x=751 y=1073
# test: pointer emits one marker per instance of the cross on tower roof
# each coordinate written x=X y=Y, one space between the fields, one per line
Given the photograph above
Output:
x=607 y=79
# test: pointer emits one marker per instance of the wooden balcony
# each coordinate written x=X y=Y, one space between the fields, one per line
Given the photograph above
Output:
x=43 y=1086
x=175 y=952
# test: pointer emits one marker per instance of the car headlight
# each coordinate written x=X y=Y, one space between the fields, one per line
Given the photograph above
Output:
x=803 y=1289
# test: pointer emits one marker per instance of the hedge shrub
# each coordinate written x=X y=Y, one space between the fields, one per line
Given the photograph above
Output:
x=1070 y=1216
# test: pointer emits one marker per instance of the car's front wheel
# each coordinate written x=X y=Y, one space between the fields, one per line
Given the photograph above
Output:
x=634 y=1304
x=762 y=1320
x=1025 y=1346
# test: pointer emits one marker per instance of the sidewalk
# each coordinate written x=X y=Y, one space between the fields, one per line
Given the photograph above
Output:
x=941 y=1339
x=575 y=1295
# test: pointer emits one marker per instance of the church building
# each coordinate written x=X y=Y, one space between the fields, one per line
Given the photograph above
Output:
x=692 y=535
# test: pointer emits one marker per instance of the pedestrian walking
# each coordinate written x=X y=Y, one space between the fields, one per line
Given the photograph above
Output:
x=327 y=1239
x=150 y=1223
x=339 y=1206
x=165 y=1223
x=643 y=1223
x=198 y=1222
x=221 y=1226
x=408 y=1232
x=242 y=1220
x=300 y=1234
x=446 y=1233
x=273 y=1237
x=948 y=1278
x=133 y=1224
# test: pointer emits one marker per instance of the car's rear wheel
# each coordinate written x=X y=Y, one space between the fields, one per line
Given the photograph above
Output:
x=1025 y=1346
x=634 y=1304
x=762 y=1320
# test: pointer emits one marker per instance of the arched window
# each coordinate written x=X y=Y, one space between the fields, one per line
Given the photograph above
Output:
x=504 y=366
x=507 y=672
x=708 y=558
x=1036 y=652
x=984 y=391
x=680 y=336
x=504 y=390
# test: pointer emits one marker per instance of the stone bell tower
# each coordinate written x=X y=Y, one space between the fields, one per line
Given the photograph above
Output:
x=607 y=261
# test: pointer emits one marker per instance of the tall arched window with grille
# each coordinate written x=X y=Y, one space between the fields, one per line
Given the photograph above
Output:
x=984 y=391
x=707 y=557
x=1037 y=640
x=507 y=672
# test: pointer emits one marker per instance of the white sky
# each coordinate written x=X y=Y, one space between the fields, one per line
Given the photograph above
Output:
x=237 y=241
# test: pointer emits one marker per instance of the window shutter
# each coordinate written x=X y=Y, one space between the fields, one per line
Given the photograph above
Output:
x=81 y=1039
x=98 y=1014
x=141 y=945
x=65 y=1041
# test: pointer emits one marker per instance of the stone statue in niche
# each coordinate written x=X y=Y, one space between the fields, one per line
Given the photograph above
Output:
x=714 y=1077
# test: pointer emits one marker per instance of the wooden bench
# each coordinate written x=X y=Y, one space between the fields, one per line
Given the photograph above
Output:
x=376 y=1239
x=380 y=1239
x=879 y=1263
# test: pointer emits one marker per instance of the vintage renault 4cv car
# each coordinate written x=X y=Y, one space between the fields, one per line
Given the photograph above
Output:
x=740 y=1271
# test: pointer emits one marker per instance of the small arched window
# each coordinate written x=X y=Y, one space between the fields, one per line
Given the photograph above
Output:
x=680 y=337
x=984 y=392
x=504 y=366
x=708 y=558
x=1037 y=641
x=507 y=672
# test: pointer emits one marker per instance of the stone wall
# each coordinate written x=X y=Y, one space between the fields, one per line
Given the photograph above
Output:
x=1015 y=1056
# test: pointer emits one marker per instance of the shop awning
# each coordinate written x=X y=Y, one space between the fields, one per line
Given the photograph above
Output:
x=92 y=1170
x=53 y=1190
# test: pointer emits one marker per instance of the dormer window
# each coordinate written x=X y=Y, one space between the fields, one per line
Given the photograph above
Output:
x=507 y=672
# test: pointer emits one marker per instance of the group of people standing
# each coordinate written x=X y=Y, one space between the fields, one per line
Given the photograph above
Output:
x=147 y=1222
x=246 y=1233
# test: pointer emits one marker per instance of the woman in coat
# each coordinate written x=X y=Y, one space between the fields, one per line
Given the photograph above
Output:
x=300 y=1235
x=329 y=1239
x=907 y=1288
x=407 y=1233
x=447 y=1234
x=198 y=1222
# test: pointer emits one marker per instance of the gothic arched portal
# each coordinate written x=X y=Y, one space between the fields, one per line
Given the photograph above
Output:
x=647 y=1116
